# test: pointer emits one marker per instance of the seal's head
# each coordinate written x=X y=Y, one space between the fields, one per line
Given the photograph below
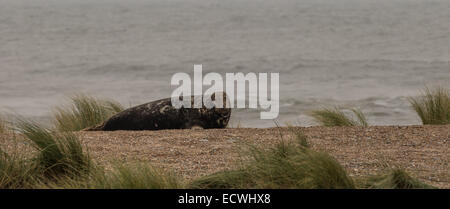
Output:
x=213 y=114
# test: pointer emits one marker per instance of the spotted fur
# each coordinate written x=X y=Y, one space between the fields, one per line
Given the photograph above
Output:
x=161 y=114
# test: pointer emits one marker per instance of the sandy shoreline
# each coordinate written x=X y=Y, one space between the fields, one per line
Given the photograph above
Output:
x=422 y=150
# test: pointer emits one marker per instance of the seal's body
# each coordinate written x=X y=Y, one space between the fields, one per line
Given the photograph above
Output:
x=161 y=114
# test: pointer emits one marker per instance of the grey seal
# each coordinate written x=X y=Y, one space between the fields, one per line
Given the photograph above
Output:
x=161 y=114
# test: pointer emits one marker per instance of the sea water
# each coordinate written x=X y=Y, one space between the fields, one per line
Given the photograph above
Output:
x=370 y=54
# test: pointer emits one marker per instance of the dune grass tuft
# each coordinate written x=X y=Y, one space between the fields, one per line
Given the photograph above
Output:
x=59 y=153
x=85 y=111
x=336 y=117
x=227 y=179
x=288 y=165
x=128 y=176
x=15 y=171
x=433 y=106
x=395 y=179
x=138 y=176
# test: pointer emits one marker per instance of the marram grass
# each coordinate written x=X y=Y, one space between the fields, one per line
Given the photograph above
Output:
x=122 y=176
x=140 y=176
x=433 y=106
x=336 y=117
x=58 y=153
x=15 y=171
x=85 y=111
x=287 y=166
x=394 y=179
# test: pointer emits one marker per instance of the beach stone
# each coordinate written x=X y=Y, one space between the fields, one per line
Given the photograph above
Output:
x=160 y=114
